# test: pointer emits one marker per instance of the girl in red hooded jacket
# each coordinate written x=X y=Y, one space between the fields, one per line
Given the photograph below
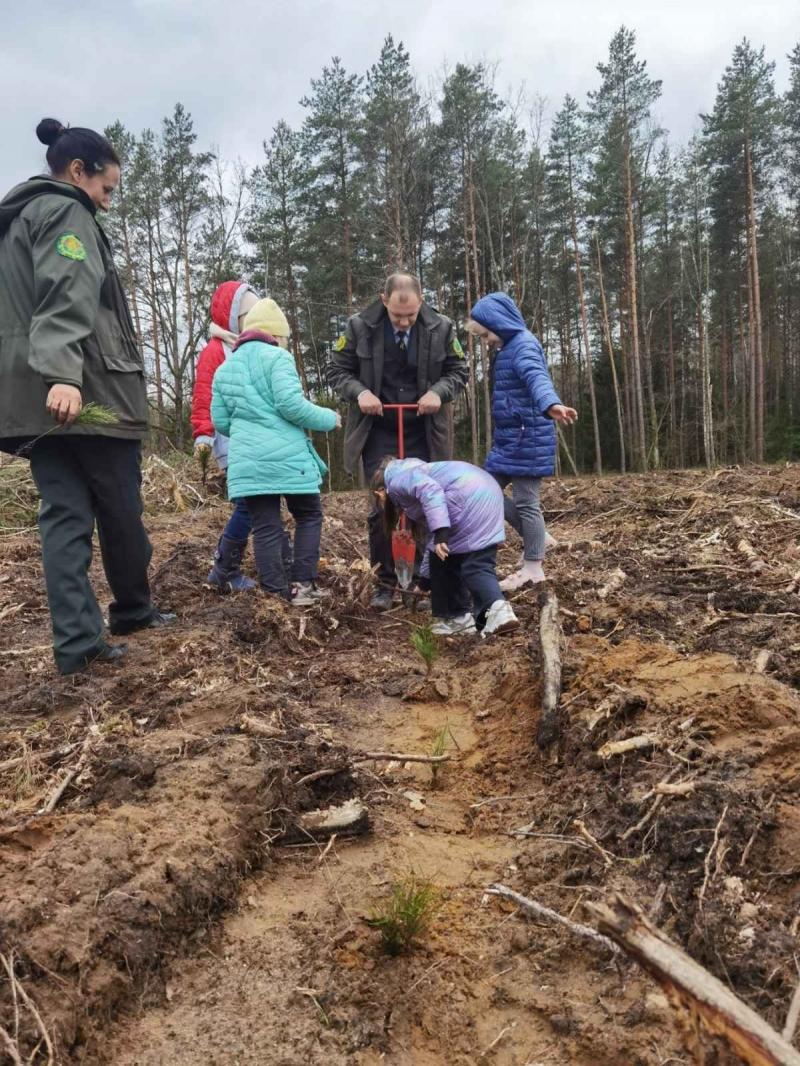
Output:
x=229 y=304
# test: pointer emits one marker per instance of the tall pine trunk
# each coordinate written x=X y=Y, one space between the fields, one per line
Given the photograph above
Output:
x=758 y=350
x=611 y=360
x=636 y=363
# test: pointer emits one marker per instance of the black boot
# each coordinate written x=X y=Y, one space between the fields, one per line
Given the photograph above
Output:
x=226 y=574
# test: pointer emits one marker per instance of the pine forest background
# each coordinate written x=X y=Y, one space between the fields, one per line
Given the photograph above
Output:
x=663 y=279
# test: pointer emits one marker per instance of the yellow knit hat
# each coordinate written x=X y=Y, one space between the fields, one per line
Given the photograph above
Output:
x=267 y=317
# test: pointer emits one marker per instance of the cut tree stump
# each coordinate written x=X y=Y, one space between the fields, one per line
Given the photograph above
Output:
x=547 y=732
x=702 y=1000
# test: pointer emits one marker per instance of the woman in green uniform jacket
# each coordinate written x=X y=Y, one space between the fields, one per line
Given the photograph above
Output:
x=66 y=339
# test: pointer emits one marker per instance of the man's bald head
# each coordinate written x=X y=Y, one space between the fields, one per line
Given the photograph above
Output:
x=402 y=298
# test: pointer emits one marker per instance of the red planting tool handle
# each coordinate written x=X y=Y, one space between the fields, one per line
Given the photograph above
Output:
x=400 y=407
x=401 y=444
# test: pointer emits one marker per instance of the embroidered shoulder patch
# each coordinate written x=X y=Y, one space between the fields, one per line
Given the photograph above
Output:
x=340 y=343
x=459 y=351
x=71 y=247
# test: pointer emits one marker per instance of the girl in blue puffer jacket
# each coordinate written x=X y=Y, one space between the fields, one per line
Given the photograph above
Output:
x=525 y=408
x=258 y=402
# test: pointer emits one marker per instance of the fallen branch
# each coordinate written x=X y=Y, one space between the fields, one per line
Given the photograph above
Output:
x=261 y=729
x=620 y=747
x=18 y=993
x=615 y=582
x=707 y=863
x=69 y=777
x=539 y=909
x=691 y=988
x=550 y=636
x=392 y=756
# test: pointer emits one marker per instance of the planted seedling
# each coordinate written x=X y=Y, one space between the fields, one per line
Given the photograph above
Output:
x=407 y=914
x=440 y=742
x=424 y=642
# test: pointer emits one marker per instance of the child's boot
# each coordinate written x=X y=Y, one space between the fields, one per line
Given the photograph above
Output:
x=226 y=574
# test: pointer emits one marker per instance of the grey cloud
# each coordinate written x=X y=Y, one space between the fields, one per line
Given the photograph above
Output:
x=239 y=68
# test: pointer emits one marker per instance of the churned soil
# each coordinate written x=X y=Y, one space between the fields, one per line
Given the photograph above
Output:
x=170 y=908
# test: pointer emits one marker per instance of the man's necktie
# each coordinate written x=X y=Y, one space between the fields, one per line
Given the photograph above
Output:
x=401 y=344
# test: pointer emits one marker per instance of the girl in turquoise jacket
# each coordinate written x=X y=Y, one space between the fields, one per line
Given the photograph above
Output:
x=258 y=403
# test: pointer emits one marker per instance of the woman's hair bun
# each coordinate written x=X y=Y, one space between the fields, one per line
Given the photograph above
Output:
x=49 y=130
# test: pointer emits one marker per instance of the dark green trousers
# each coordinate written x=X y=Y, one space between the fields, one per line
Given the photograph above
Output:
x=83 y=480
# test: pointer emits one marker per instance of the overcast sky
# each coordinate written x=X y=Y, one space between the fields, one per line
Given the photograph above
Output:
x=238 y=68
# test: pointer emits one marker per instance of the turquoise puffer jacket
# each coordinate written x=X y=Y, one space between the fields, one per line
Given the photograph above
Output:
x=258 y=402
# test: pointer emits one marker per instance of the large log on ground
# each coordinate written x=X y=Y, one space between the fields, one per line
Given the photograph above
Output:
x=691 y=988
x=547 y=732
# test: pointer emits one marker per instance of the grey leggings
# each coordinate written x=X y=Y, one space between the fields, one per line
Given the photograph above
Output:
x=524 y=512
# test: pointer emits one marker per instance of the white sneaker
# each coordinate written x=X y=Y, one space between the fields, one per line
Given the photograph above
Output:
x=462 y=626
x=530 y=572
x=302 y=594
x=500 y=618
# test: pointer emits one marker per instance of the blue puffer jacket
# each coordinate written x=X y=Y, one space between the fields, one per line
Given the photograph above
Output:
x=258 y=402
x=524 y=442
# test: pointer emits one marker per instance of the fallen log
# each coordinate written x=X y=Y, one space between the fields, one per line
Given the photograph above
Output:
x=547 y=732
x=691 y=989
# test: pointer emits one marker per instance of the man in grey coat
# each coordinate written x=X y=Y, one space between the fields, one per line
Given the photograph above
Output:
x=398 y=350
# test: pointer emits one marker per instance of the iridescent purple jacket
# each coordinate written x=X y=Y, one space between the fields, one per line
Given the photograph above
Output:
x=450 y=493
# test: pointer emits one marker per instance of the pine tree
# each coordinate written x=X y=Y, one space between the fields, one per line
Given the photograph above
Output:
x=566 y=162
x=276 y=226
x=331 y=136
x=392 y=145
x=620 y=114
x=739 y=143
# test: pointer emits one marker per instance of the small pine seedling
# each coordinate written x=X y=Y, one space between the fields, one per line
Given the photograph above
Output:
x=94 y=414
x=407 y=914
x=439 y=747
x=204 y=458
x=424 y=642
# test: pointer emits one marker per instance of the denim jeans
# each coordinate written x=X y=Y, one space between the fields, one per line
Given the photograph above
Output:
x=240 y=523
x=459 y=577
x=269 y=537
x=524 y=512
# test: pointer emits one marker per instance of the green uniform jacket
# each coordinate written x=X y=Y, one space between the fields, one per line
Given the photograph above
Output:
x=357 y=364
x=64 y=318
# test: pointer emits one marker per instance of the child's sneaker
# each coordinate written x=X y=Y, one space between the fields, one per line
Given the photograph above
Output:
x=302 y=594
x=462 y=626
x=529 y=573
x=317 y=592
x=500 y=618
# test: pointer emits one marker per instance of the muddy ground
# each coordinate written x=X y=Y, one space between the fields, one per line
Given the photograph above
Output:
x=169 y=910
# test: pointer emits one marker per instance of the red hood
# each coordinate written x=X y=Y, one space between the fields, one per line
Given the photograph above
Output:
x=225 y=304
